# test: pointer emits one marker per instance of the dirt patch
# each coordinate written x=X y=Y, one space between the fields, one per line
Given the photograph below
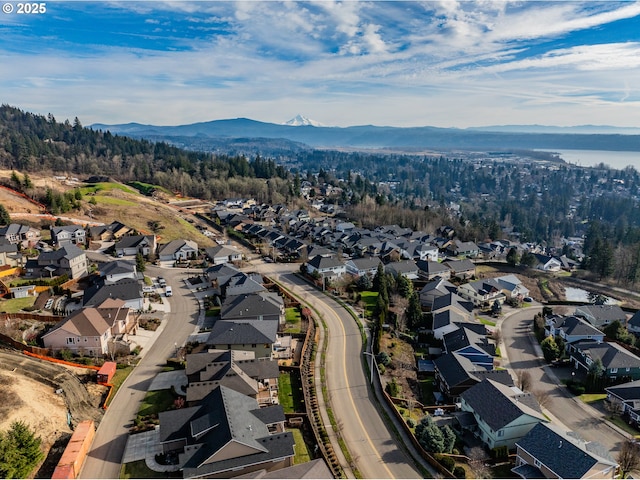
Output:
x=403 y=366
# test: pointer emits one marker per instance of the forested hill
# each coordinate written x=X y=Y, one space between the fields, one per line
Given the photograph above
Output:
x=30 y=142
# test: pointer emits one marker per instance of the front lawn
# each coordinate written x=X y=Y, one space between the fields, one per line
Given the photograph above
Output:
x=592 y=397
x=156 y=401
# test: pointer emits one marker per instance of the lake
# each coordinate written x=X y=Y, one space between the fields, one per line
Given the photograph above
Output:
x=591 y=158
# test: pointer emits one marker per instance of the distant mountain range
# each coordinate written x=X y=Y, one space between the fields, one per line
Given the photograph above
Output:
x=408 y=138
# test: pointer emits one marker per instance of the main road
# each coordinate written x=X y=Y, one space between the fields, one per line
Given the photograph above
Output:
x=582 y=419
x=373 y=447
x=105 y=456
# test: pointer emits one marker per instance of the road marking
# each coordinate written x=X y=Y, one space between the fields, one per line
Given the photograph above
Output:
x=355 y=410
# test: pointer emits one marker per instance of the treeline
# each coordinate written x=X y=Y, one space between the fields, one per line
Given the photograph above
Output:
x=31 y=142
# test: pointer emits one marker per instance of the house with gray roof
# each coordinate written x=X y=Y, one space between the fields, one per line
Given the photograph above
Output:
x=407 y=268
x=470 y=340
x=107 y=233
x=239 y=370
x=363 y=266
x=503 y=415
x=428 y=270
x=619 y=364
x=315 y=469
x=18 y=234
x=548 y=452
x=511 y=286
x=625 y=399
x=463 y=249
x=118 y=270
x=257 y=336
x=438 y=287
x=220 y=274
x=127 y=289
x=633 y=324
x=327 y=267
x=68 y=259
x=601 y=315
x=178 y=250
x=454 y=374
x=461 y=268
x=445 y=321
x=571 y=329
x=243 y=284
x=255 y=306
x=134 y=244
x=227 y=435
x=68 y=234
x=482 y=293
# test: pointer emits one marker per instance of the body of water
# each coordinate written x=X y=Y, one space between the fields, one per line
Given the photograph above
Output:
x=580 y=295
x=591 y=158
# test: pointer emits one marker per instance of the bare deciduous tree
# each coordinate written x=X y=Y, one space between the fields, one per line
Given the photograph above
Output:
x=523 y=380
x=543 y=397
x=628 y=457
x=477 y=458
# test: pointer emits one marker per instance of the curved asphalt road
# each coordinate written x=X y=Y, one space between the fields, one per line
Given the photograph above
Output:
x=372 y=446
x=108 y=447
x=582 y=419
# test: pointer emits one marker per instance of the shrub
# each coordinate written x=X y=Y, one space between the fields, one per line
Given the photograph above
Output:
x=411 y=422
x=447 y=462
x=459 y=472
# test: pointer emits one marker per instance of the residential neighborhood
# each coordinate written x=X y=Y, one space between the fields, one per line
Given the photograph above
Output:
x=227 y=417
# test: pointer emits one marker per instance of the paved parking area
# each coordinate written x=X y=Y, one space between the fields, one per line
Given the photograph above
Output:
x=166 y=380
x=142 y=445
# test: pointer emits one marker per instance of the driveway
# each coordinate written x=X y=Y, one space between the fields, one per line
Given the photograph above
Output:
x=562 y=407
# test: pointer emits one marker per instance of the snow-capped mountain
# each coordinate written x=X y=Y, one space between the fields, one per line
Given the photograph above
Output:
x=302 y=121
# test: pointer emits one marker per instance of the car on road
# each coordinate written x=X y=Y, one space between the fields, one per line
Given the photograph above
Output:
x=161 y=281
x=527 y=299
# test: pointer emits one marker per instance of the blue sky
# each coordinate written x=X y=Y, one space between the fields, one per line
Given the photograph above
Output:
x=442 y=63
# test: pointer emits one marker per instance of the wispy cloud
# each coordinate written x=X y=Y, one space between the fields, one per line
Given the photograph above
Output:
x=341 y=62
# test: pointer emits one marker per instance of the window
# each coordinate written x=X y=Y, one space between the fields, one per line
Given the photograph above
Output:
x=71 y=340
x=501 y=433
x=614 y=370
x=537 y=463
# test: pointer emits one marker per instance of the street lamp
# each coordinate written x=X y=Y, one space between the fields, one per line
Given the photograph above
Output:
x=175 y=344
x=370 y=366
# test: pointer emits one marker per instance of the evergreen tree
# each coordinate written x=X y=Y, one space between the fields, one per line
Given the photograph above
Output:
x=5 y=218
x=512 y=256
x=430 y=436
x=140 y=262
x=414 y=311
x=20 y=451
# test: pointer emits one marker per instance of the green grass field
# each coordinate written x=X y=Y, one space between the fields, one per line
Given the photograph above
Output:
x=302 y=454
x=369 y=299
x=156 y=401
x=290 y=392
x=14 y=305
x=105 y=200
x=293 y=320
x=105 y=186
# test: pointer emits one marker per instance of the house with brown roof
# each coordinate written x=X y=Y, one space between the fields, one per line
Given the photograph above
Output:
x=94 y=331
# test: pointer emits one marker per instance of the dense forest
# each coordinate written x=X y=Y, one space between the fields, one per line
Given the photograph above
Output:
x=533 y=197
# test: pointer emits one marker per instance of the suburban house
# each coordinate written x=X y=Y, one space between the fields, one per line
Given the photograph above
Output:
x=94 y=331
x=619 y=364
x=454 y=374
x=463 y=269
x=118 y=270
x=601 y=315
x=625 y=399
x=109 y=233
x=178 y=250
x=9 y=254
x=23 y=235
x=239 y=370
x=242 y=284
x=438 y=287
x=227 y=435
x=326 y=267
x=633 y=324
x=363 y=266
x=482 y=293
x=68 y=259
x=511 y=286
x=221 y=254
x=218 y=275
x=547 y=263
x=68 y=234
x=406 y=268
x=256 y=336
x=470 y=341
x=126 y=289
x=134 y=244
x=571 y=329
x=430 y=270
x=548 y=452
x=503 y=415
x=256 y=306
x=463 y=249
